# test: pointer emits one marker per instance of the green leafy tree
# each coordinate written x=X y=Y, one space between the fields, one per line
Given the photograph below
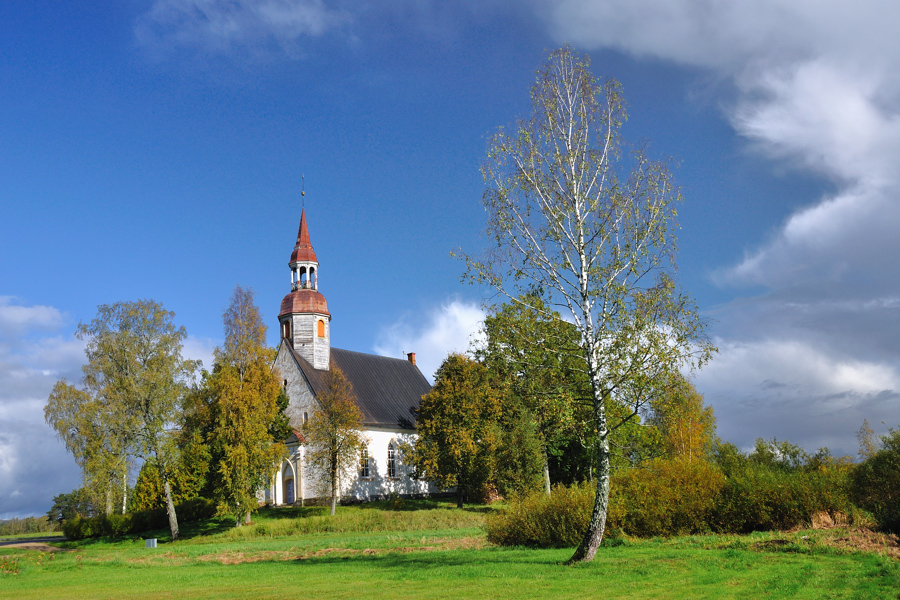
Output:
x=243 y=410
x=76 y=503
x=781 y=455
x=333 y=435
x=537 y=357
x=592 y=227
x=134 y=383
x=876 y=482
x=459 y=430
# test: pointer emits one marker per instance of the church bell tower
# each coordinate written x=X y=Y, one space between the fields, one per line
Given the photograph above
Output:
x=304 y=318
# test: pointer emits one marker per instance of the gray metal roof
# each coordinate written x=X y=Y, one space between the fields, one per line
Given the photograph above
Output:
x=388 y=390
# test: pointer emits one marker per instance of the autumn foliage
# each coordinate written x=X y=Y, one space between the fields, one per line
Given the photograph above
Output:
x=333 y=435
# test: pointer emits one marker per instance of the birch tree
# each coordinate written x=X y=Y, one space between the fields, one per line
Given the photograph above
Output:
x=97 y=434
x=133 y=385
x=575 y=214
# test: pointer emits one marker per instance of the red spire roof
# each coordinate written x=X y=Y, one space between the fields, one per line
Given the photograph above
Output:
x=303 y=251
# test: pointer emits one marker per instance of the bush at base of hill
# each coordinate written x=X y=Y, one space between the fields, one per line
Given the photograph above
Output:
x=542 y=521
x=665 y=497
x=676 y=497
x=876 y=483
x=79 y=528
x=758 y=498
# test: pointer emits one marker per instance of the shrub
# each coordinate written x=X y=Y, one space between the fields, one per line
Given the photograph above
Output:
x=667 y=497
x=876 y=483
x=758 y=497
x=542 y=521
x=115 y=525
x=146 y=520
x=118 y=525
x=195 y=509
x=79 y=528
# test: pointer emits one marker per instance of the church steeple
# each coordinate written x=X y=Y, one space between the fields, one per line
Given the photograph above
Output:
x=304 y=317
x=304 y=264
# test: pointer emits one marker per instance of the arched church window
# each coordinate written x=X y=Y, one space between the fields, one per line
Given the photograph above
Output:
x=392 y=461
x=365 y=467
x=321 y=328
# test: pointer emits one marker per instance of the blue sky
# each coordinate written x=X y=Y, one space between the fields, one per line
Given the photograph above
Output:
x=154 y=148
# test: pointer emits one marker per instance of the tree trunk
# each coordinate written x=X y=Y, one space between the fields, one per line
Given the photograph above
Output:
x=546 y=471
x=247 y=519
x=594 y=535
x=170 y=505
x=109 y=500
x=124 y=490
x=460 y=496
x=334 y=486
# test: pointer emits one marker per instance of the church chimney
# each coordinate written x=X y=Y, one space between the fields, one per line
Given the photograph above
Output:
x=411 y=356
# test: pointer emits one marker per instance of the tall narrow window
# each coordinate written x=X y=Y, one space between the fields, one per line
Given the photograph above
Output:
x=365 y=470
x=392 y=461
x=321 y=328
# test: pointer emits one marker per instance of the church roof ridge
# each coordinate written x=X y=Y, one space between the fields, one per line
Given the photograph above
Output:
x=387 y=389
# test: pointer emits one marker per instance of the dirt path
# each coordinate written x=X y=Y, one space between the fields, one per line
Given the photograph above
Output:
x=33 y=544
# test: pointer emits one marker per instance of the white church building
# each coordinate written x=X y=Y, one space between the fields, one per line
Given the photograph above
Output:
x=387 y=391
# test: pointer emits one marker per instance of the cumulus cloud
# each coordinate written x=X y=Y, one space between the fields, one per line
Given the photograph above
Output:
x=451 y=327
x=34 y=465
x=223 y=25
x=798 y=391
x=17 y=319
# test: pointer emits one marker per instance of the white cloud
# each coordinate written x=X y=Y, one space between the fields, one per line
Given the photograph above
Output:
x=34 y=466
x=202 y=349
x=16 y=319
x=727 y=36
x=222 y=25
x=452 y=327
x=794 y=390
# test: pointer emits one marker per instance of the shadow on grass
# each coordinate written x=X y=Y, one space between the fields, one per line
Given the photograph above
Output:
x=291 y=512
x=187 y=531
x=422 y=561
x=404 y=505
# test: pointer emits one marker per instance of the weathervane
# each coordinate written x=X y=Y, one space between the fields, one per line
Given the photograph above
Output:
x=302 y=191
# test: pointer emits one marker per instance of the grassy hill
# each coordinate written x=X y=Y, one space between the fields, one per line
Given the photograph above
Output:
x=429 y=550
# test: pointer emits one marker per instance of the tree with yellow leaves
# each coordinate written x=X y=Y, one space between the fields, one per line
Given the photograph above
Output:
x=248 y=427
x=333 y=436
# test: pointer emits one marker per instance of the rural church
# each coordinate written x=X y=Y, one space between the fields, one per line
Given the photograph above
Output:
x=387 y=390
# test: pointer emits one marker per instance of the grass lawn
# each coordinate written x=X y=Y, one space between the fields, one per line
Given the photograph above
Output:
x=431 y=551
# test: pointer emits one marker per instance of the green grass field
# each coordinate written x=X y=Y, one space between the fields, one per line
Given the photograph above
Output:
x=432 y=551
